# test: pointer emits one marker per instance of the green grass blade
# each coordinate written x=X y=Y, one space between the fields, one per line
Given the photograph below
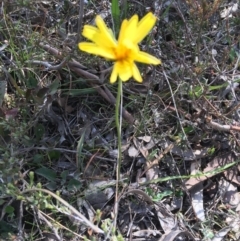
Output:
x=125 y=8
x=77 y=92
x=116 y=15
x=79 y=158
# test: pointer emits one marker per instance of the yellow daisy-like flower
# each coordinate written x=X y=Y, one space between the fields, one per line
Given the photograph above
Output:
x=125 y=52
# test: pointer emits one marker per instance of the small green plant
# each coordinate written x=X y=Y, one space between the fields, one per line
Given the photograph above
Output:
x=156 y=197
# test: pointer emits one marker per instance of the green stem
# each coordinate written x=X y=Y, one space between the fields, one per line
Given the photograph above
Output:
x=119 y=126
x=118 y=120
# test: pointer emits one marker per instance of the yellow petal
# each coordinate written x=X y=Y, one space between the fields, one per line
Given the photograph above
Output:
x=146 y=58
x=114 y=74
x=136 y=74
x=94 y=34
x=132 y=48
x=90 y=32
x=124 y=70
x=119 y=69
x=122 y=31
x=92 y=48
x=131 y=28
x=144 y=27
x=106 y=32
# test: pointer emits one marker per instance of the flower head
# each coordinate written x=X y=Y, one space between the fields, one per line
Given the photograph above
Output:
x=125 y=52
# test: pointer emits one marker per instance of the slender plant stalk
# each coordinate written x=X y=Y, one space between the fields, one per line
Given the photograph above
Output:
x=118 y=114
x=118 y=120
x=119 y=125
x=74 y=211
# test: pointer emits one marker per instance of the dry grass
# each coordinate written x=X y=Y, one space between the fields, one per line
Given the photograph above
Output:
x=180 y=127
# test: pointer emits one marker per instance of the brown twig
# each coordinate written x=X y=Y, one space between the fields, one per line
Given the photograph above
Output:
x=220 y=127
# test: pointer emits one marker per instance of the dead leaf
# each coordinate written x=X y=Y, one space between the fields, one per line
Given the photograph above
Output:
x=197 y=194
x=217 y=162
x=146 y=233
x=233 y=175
x=229 y=193
x=132 y=151
x=145 y=138
x=151 y=144
x=188 y=154
x=167 y=220
x=219 y=236
x=140 y=147
x=227 y=12
x=170 y=236
x=234 y=222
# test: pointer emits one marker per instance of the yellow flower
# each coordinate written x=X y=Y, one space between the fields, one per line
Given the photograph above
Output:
x=125 y=52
